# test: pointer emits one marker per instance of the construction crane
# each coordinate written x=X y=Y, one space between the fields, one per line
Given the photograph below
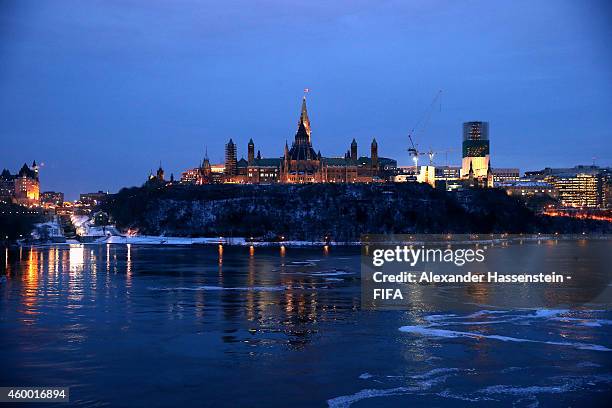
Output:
x=413 y=152
x=432 y=153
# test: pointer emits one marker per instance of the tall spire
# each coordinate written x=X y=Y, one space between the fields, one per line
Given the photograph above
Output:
x=251 y=152
x=160 y=172
x=205 y=161
x=304 y=118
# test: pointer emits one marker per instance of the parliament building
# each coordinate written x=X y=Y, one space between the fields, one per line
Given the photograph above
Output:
x=300 y=163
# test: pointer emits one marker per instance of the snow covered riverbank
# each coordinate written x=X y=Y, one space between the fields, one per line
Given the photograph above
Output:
x=237 y=241
x=183 y=241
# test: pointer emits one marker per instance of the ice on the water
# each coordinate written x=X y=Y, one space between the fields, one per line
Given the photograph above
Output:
x=429 y=381
x=435 y=372
x=428 y=331
x=346 y=401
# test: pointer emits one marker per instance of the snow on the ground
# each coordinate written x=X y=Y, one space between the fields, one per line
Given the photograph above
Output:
x=163 y=240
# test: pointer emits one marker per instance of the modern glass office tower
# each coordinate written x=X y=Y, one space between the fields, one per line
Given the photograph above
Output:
x=475 y=149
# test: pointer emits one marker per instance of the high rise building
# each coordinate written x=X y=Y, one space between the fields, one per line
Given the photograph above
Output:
x=583 y=186
x=475 y=149
x=7 y=186
x=607 y=192
x=577 y=190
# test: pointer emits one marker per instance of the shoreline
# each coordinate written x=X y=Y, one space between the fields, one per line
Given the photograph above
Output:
x=244 y=242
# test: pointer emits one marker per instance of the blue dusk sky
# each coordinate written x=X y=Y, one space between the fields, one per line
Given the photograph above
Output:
x=101 y=91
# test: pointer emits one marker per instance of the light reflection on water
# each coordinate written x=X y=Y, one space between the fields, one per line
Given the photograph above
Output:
x=202 y=318
x=128 y=267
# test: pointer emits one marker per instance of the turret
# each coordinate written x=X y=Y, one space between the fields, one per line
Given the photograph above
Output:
x=489 y=175
x=27 y=172
x=354 y=150
x=160 y=173
x=35 y=168
x=304 y=118
x=251 y=152
x=374 y=154
x=205 y=169
x=230 y=158
x=471 y=175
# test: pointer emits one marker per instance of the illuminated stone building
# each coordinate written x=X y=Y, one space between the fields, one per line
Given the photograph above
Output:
x=160 y=173
x=339 y=170
x=198 y=175
x=474 y=181
x=216 y=172
x=205 y=171
x=191 y=176
x=27 y=185
x=158 y=178
x=241 y=170
x=300 y=163
x=264 y=171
